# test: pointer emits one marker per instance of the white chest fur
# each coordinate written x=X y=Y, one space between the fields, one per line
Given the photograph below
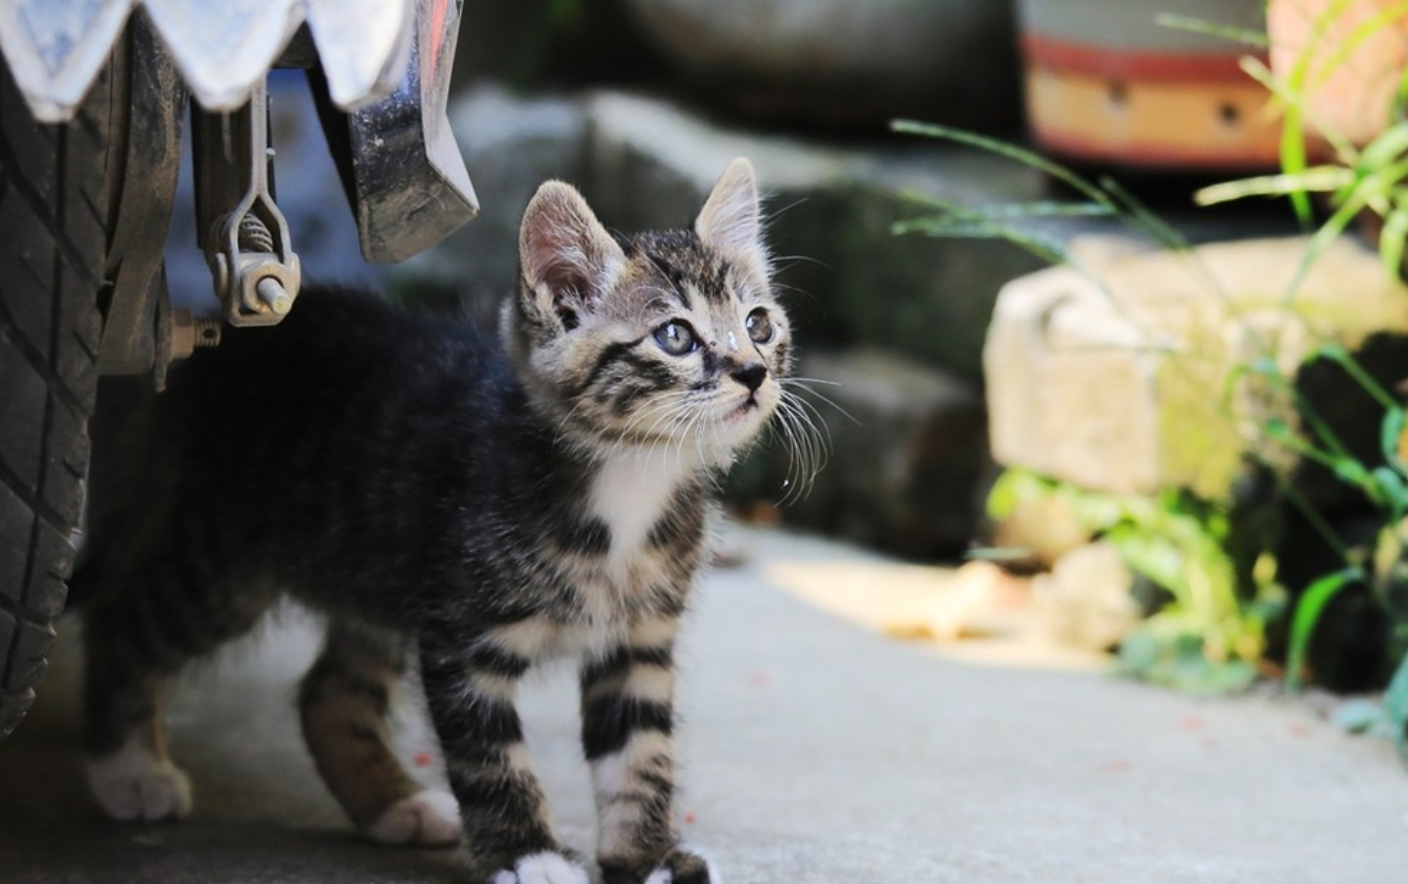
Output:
x=631 y=493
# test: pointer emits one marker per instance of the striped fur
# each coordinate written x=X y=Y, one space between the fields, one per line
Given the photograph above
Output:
x=468 y=507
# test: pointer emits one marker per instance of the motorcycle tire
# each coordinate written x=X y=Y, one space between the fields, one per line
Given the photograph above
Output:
x=56 y=185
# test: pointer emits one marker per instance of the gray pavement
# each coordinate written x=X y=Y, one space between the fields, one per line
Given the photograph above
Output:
x=817 y=751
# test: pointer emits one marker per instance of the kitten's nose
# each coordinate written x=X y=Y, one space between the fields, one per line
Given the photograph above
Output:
x=750 y=375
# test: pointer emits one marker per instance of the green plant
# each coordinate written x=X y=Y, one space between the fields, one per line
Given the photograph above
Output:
x=1206 y=638
x=1210 y=636
x=1357 y=181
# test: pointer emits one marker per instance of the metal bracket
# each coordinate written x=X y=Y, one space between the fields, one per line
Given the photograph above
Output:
x=240 y=228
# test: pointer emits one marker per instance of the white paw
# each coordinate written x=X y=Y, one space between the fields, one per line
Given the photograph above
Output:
x=427 y=819
x=133 y=784
x=543 y=868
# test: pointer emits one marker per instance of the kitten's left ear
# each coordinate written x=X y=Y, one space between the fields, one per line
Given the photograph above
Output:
x=731 y=220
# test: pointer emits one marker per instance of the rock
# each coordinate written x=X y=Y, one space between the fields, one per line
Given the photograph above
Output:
x=1086 y=600
x=511 y=145
x=1126 y=377
x=1042 y=530
x=840 y=61
x=978 y=601
x=907 y=455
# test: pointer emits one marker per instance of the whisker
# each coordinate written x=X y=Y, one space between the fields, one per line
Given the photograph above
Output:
x=805 y=385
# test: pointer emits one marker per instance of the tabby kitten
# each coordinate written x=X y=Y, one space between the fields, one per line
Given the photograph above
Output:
x=476 y=507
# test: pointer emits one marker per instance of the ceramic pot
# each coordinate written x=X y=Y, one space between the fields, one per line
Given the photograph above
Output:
x=1106 y=83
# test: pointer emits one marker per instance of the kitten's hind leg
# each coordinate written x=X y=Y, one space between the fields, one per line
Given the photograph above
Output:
x=345 y=703
x=129 y=772
x=136 y=639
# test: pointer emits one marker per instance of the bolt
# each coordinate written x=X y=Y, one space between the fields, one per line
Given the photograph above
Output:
x=272 y=293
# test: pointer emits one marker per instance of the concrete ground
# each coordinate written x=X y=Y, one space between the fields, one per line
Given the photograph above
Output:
x=818 y=750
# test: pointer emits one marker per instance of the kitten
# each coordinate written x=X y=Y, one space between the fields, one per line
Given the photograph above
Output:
x=475 y=507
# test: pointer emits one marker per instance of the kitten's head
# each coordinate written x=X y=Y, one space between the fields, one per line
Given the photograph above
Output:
x=660 y=339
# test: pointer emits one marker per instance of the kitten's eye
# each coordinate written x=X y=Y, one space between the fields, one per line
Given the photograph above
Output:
x=676 y=338
x=759 y=326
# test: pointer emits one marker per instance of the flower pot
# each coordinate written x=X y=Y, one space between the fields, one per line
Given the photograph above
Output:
x=1348 y=87
x=1106 y=83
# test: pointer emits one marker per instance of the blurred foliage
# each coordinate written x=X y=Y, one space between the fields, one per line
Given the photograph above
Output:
x=1212 y=635
x=1207 y=639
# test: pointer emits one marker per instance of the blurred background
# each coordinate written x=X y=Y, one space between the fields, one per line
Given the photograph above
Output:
x=1101 y=301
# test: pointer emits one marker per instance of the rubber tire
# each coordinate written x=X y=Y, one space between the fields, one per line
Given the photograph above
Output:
x=54 y=222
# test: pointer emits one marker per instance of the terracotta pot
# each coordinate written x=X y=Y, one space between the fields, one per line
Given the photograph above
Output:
x=1107 y=83
x=1352 y=95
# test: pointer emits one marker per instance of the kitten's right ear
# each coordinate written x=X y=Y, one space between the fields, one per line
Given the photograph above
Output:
x=568 y=259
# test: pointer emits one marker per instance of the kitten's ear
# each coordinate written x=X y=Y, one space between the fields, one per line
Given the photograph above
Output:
x=731 y=220
x=568 y=259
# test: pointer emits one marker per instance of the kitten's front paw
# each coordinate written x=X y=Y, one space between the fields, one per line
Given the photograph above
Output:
x=426 y=819
x=543 y=868
x=680 y=866
x=132 y=784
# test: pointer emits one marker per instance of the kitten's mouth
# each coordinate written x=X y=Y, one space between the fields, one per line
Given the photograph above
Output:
x=741 y=411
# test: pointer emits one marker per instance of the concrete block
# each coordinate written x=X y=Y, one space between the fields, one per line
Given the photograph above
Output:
x=1125 y=376
x=907 y=458
x=511 y=144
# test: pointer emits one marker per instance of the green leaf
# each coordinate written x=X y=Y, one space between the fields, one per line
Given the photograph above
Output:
x=1345 y=44
x=1172 y=657
x=1387 y=147
x=1006 y=149
x=1318 y=179
x=1396 y=707
x=998 y=553
x=1308 y=610
x=1014 y=487
x=1193 y=25
x=1331 y=350
x=1390 y=431
x=1359 y=716
x=1391 y=240
x=1351 y=471
x=1009 y=211
x=1153 y=556
x=1293 y=151
x=1392 y=492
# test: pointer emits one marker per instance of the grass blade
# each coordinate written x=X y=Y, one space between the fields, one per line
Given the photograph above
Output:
x=1195 y=25
x=1308 y=611
x=1011 y=151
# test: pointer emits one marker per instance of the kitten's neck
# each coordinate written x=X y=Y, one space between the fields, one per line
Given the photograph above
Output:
x=634 y=487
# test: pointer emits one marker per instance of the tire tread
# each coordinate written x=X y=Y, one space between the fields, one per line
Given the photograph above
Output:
x=53 y=190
